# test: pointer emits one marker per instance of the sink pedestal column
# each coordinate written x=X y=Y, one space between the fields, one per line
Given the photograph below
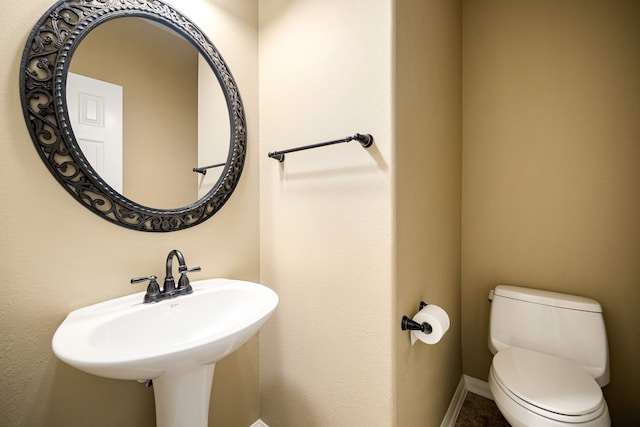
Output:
x=182 y=397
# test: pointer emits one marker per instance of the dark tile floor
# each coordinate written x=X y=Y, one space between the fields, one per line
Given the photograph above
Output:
x=478 y=411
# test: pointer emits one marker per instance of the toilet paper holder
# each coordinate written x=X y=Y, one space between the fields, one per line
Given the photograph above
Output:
x=412 y=325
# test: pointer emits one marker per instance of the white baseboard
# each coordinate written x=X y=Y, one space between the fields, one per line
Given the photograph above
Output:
x=259 y=423
x=457 y=400
x=476 y=386
x=466 y=384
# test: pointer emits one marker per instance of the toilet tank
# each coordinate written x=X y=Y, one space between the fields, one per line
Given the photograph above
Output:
x=562 y=325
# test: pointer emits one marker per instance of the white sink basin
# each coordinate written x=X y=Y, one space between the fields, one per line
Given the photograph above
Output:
x=169 y=340
x=125 y=339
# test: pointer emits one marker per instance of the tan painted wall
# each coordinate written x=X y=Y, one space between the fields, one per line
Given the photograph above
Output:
x=326 y=214
x=550 y=184
x=551 y=176
x=57 y=256
x=428 y=172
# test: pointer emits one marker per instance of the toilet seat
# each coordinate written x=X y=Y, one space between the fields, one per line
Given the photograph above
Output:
x=549 y=386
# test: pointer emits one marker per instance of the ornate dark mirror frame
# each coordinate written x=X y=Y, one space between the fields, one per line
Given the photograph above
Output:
x=43 y=77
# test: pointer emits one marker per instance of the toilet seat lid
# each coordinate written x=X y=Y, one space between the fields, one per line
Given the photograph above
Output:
x=547 y=382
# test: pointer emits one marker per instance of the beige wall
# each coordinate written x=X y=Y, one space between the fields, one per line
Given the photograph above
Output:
x=57 y=256
x=551 y=176
x=353 y=238
x=326 y=214
x=428 y=172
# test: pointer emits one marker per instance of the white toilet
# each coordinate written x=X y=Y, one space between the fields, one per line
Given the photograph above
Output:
x=551 y=358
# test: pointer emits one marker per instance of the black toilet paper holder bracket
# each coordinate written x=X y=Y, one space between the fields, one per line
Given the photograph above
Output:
x=412 y=325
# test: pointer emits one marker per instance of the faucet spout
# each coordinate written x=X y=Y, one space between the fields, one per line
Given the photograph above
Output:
x=169 y=286
x=184 y=287
x=169 y=289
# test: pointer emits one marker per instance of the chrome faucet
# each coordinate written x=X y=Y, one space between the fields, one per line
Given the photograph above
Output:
x=169 y=290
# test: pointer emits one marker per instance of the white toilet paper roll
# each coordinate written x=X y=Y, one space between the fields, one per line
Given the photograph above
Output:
x=434 y=316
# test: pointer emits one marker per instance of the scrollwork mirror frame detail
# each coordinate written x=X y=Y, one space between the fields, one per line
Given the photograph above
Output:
x=44 y=69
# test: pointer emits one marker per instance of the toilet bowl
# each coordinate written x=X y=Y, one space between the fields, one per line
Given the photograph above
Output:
x=533 y=389
x=550 y=359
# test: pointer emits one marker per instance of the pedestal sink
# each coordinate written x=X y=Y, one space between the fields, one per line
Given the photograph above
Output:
x=175 y=342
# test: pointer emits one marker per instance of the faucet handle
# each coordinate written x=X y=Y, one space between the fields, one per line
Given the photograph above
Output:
x=137 y=280
x=184 y=287
x=153 y=290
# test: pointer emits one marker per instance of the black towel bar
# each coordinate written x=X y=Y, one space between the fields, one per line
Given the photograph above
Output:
x=366 y=140
x=203 y=170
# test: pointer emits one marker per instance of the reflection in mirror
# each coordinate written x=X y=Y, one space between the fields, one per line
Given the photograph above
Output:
x=173 y=114
x=44 y=73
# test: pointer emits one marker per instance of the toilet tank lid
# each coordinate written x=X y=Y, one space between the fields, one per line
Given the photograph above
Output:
x=553 y=299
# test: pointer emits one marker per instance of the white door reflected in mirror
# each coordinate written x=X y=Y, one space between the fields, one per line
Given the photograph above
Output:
x=95 y=112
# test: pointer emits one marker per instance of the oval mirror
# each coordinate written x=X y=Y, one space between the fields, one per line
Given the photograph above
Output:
x=130 y=114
